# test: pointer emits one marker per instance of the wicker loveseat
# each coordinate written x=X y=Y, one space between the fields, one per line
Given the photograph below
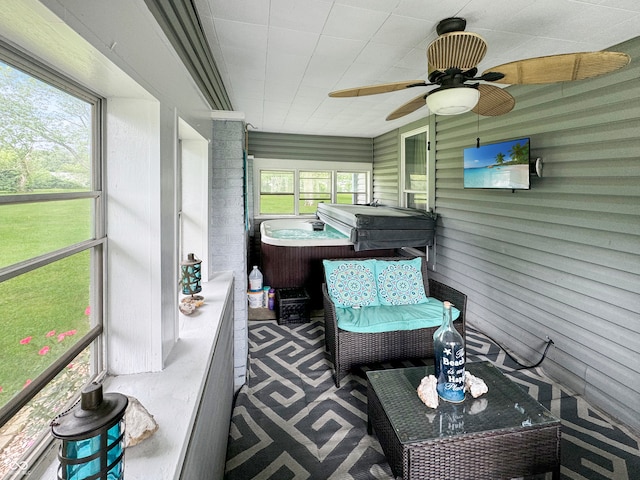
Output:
x=348 y=349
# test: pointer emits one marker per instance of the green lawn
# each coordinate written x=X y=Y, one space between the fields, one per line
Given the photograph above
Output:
x=44 y=311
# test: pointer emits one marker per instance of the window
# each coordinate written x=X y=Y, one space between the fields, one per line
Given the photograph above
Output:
x=277 y=192
x=315 y=187
x=414 y=169
x=292 y=191
x=52 y=238
x=352 y=188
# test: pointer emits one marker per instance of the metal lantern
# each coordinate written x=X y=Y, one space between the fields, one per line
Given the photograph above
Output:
x=191 y=275
x=92 y=435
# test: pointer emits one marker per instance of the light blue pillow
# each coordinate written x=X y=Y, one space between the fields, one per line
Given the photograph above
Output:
x=351 y=283
x=400 y=282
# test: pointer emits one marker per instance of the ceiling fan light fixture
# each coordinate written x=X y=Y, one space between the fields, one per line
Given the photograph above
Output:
x=452 y=101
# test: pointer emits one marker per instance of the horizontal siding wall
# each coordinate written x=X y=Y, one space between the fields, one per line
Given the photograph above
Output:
x=561 y=259
x=310 y=147
x=386 y=168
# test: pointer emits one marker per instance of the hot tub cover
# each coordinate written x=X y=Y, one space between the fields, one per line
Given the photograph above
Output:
x=371 y=228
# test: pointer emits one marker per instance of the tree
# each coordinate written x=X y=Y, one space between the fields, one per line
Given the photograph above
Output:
x=44 y=133
x=500 y=158
x=519 y=153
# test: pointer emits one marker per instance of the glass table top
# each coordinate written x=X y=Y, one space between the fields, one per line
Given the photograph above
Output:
x=505 y=406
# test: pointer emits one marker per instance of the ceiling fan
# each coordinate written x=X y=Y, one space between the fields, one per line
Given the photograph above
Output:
x=453 y=58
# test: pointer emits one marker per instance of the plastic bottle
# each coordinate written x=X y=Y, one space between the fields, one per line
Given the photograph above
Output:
x=272 y=299
x=265 y=296
x=255 y=280
x=448 y=347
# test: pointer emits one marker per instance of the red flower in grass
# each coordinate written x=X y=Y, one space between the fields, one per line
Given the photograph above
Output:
x=50 y=334
x=66 y=334
x=0 y=389
x=25 y=340
x=26 y=384
x=87 y=311
x=44 y=350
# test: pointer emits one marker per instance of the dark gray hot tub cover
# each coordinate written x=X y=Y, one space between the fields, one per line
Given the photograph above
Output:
x=371 y=228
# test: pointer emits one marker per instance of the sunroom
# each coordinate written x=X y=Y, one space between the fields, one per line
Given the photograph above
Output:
x=186 y=106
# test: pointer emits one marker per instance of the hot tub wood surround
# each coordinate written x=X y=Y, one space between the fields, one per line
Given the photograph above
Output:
x=285 y=267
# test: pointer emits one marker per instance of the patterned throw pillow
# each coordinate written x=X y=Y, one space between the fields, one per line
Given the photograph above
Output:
x=351 y=283
x=400 y=282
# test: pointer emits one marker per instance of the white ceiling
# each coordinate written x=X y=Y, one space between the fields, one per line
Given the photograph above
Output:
x=280 y=58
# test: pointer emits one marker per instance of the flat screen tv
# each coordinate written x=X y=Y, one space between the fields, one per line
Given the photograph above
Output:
x=498 y=165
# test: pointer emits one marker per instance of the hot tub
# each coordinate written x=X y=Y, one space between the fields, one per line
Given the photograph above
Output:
x=301 y=233
x=292 y=253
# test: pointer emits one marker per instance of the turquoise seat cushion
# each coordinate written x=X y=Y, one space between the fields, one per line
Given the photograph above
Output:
x=400 y=282
x=387 y=318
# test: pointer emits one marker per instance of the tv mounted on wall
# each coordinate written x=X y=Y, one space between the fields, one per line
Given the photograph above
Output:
x=498 y=165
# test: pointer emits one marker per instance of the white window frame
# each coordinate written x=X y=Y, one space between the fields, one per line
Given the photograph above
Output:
x=404 y=192
x=368 y=194
x=95 y=337
x=296 y=166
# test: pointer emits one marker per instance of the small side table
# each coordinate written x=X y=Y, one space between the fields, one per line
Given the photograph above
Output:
x=504 y=433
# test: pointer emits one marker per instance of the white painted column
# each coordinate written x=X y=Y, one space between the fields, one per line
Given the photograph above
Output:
x=141 y=265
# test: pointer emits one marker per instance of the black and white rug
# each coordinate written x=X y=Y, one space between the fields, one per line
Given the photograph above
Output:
x=291 y=422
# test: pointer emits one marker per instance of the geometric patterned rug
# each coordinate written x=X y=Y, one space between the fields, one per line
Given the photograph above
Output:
x=290 y=421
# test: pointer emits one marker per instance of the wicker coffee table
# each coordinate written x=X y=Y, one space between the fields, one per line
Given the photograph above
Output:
x=505 y=433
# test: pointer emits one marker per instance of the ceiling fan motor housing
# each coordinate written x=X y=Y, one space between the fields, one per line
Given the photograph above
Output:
x=452 y=24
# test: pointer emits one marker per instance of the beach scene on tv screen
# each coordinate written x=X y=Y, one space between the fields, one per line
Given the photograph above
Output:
x=497 y=165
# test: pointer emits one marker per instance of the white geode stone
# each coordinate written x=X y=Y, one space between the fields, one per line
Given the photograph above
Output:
x=427 y=391
x=139 y=423
x=474 y=385
x=187 y=308
x=478 y=406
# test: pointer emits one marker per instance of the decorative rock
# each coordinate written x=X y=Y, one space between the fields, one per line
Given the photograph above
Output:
x=474 y=385
x=478 y=406
x=427 y=391
x=139 y=423
x=196 y=300
x=429 y=395
x=187 y=308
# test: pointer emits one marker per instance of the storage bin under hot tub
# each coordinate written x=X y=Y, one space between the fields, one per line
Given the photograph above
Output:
x=292 y=305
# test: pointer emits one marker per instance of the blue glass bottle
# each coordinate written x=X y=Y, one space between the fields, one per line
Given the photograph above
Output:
x=448 y=346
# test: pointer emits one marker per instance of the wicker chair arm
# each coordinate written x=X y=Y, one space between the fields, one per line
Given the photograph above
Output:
x=446 y=293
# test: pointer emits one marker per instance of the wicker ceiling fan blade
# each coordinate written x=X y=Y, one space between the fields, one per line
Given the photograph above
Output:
x=409 y=107
x=452 y=61
x=463 y=50
x=561 y=68
x=493 y=101
x=376 y=89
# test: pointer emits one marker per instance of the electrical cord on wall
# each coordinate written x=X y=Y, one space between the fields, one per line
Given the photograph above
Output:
x=521 y=366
